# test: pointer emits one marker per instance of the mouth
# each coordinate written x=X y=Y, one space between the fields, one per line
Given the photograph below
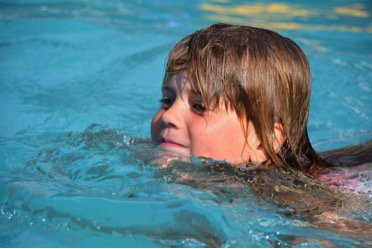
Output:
x=170 y=144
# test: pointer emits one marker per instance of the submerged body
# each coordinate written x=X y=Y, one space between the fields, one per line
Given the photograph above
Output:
x=351 y=168
x=342 y=204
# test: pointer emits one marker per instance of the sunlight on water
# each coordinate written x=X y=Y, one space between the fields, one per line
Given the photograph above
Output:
x=271 y=15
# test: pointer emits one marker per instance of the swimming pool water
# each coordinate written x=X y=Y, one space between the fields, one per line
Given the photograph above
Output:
x=80 y=82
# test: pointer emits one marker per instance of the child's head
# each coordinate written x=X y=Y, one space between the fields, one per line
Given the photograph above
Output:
x=250 y=86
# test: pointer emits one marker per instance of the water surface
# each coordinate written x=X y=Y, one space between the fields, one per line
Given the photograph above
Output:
x=80 y=82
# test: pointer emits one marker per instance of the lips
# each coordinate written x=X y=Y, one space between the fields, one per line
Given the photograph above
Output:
x=170 y=144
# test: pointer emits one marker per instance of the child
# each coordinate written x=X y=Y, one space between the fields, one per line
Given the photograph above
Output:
x=239 y=94
x=242 y=94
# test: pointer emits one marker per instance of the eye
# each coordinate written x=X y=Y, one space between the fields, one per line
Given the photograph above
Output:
x=199 y=107
x=166 y=102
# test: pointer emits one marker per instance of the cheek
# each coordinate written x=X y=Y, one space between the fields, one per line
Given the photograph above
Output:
x=220 y=140
x=205 y=138
x=156 y=126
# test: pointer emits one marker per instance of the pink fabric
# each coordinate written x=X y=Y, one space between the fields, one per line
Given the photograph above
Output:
x=358 y=178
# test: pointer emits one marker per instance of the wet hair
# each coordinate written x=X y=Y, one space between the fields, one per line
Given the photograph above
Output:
x=264 y=77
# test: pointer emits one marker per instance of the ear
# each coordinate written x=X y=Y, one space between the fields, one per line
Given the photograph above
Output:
x=279 y=137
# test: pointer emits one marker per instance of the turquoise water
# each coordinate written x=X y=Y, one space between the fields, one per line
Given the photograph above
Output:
x=80 y=82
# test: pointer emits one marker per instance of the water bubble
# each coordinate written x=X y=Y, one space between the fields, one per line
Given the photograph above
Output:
x=116 y=233
x=127 y=140
x=231 y=243
x=97 y=225
x=128 y=233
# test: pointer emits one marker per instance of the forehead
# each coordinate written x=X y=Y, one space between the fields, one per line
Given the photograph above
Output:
x=179 y=81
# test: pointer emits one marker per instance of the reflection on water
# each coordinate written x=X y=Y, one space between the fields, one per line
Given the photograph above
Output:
x=272 y=15
x=356 y=10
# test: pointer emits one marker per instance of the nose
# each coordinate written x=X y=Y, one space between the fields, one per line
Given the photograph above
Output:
x=172 y=116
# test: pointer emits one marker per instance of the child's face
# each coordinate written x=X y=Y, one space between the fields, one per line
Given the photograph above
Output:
x=185 y=126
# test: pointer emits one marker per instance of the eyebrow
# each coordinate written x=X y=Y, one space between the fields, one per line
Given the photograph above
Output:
x=195 y=91
x=166 y=88
x=192 y=90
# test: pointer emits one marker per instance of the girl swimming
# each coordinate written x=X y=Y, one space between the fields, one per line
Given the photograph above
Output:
x=242 y=94
x=237 y=93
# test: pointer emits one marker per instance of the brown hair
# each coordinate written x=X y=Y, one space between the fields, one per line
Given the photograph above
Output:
x=261 y=75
